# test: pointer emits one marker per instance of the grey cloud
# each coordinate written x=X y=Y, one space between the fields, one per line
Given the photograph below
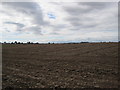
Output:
x=79 y=22
x=30 y=8
x=21 y=28
x=75 y=10
x=59 y=26
x=86 y=7
x=82 y=15
x=35 y=29
x=75 y=23
x=54 y=32
x=83 y=27
x=56 y=3
x=95 y=5
x=22 y=5
x=6 y=13
x=18 y=24
x=74 y=18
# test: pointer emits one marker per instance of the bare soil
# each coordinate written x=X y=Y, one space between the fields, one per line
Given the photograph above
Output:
x=84 y=65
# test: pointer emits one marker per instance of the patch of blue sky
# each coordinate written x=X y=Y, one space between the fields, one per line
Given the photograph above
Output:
x=51 y=16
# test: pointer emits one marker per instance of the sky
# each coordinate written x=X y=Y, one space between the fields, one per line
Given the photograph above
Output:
x=59 y=21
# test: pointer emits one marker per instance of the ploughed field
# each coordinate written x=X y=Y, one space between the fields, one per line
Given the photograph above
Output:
x=84 y=65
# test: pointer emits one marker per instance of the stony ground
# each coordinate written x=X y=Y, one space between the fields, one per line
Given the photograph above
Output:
x=84 y=65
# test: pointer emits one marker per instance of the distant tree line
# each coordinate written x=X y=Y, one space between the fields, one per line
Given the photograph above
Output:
x=15 y=42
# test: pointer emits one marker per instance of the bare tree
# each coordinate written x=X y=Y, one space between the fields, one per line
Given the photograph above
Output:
x=15 y=42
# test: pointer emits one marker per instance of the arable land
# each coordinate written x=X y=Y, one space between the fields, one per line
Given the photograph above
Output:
x=82 y=65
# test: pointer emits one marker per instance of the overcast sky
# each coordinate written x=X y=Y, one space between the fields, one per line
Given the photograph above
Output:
x=59 y=21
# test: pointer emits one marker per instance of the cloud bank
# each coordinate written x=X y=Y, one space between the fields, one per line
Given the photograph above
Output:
x=59 y=22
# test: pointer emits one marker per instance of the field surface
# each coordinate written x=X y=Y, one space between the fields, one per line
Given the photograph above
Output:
x=84 y=65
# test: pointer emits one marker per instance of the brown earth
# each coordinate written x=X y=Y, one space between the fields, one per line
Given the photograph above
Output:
x=84 y=65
